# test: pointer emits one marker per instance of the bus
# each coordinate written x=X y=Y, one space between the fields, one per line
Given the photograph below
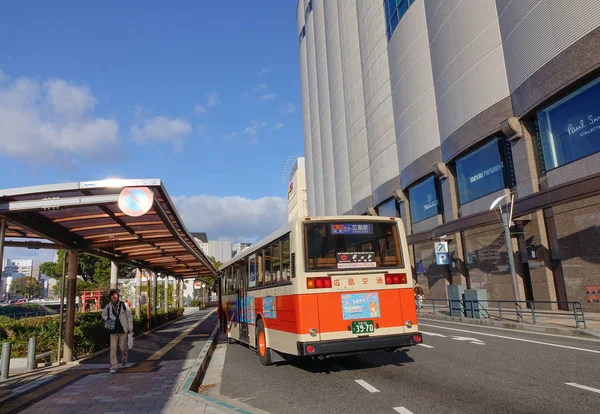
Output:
x=321 y=287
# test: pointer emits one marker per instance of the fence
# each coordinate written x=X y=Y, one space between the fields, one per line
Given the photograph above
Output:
x=502 y=308
x=28 y=314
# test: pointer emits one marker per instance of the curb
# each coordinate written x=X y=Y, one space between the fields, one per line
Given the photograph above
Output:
x=517 y=326
x=195 y=372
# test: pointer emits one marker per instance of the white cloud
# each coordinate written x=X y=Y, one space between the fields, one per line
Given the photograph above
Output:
x=3 y=76
x=162 y=129
x=289 y=108
x=268 y=97
x=232 y=218
x=212 y=99
x=43 y=121
x=253 y=130
x=261 y=87
x=265 y=71
x=278 y=125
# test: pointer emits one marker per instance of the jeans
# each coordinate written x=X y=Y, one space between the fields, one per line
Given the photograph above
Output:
x=119 y=339
x=419 y=301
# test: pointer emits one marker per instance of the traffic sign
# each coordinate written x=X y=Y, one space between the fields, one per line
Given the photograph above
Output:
x=442 y=258
x=441 y=247
x=136 y=201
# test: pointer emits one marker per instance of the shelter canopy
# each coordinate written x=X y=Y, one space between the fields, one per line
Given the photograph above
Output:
x=86 y=216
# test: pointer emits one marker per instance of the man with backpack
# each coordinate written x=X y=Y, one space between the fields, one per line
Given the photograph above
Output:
x=119 y=322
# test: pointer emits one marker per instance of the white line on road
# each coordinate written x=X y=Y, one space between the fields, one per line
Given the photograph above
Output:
x=425 y=346
x=433 y=334
x=515 y=339
x=583 y=387
x=366 y=386
x=402 y=410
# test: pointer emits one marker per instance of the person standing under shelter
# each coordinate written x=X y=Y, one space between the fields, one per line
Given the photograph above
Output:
x=119 y=322
x=419 y=295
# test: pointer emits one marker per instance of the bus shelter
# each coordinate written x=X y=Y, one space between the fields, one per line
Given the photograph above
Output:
x=132 y=222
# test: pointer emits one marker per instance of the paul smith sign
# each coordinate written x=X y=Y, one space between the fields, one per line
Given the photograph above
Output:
x=585 y=126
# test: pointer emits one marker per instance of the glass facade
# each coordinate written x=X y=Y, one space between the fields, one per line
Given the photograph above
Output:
x=432 y=277
x=484 y=171
x=389 y=208
x=570 y=128
x=394 y=11
x=424 y=200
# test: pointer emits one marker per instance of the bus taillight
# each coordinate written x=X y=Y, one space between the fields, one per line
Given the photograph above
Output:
x=395 y=278
x=318 y=282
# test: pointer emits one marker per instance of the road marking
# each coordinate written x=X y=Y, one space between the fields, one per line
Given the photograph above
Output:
x=433 y=334
x=366 y=386
x=402 y=410
x=470 y=340
x=162 y=351
x=517 y=339
x=583 y=387
x=425 y=346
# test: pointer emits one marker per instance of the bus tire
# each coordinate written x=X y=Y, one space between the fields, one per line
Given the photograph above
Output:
x=264 y=353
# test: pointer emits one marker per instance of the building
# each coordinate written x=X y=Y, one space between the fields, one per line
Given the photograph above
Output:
x=429 y=113
x=219 y=249
x=238 y=247
x=13 y=269
x=297 y=202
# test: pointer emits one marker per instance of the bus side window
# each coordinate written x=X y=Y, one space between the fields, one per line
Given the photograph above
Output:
x=276 y=261
x=285 y=258
x=267 y=254
x=260 y=269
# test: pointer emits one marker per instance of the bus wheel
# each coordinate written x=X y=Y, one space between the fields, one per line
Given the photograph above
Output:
x=261 y=344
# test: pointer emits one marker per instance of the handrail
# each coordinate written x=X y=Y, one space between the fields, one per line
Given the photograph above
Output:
x=469 y=308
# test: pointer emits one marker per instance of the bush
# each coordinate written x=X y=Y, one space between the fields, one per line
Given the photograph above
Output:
x=195 y=303
x=90 y=334
x=25 y=308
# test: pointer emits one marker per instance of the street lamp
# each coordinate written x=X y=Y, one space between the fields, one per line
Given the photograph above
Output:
x=203 y=295
x=505 y=216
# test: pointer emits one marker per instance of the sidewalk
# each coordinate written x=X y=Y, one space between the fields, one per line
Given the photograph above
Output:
x=150 y=383
x=558 y=322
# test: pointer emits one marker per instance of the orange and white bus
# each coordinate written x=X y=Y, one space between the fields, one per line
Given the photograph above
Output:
x=322 y=287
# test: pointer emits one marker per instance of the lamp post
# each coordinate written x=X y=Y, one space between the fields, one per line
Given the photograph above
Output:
x=506 y=219
x=203 y=295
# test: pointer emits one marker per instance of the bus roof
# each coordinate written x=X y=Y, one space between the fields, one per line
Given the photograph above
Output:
x=288 y=227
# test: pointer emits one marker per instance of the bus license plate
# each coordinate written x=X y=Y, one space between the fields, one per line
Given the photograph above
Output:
x=363 y=327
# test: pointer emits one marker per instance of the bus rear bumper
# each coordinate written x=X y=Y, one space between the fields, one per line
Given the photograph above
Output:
x=358 y=345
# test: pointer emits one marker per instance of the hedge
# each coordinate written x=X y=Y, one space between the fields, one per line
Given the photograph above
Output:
x=90 y=334
x=25 y=308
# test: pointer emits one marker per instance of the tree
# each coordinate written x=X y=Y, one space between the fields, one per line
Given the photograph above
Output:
x=215 y=262
x=27 y=286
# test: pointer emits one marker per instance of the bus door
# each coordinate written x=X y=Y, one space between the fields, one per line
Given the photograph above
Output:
x=243 y=305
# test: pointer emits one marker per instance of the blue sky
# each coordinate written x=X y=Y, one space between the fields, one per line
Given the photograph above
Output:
x=202 y=94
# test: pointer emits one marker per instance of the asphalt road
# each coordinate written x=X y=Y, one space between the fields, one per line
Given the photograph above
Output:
x=461 y=369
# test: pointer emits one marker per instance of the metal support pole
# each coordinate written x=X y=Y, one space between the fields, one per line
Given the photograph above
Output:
x=148 y=302
x=138 y=293
x=114 y=275
x=62 y=302
x=511 y=261
x=155 y=297
x=5 y=362
x=2 y=236
x=181 y=293
x=31 y=365
x=166 y=304
x=71 y=293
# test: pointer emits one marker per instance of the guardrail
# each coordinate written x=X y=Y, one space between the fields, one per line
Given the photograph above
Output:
x=471 y=308
x=21 y=315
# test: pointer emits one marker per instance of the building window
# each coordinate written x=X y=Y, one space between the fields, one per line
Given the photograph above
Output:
x=484 y=171
x=389 y=208
x=424 y=200
x=302 y=35
x=570 y=128
x=394 y=11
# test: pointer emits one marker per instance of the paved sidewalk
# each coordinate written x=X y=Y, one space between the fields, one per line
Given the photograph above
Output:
x=159 y=363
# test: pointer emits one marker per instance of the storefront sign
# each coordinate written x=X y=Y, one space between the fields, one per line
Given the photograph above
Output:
x=424 y=201
x=570 y=128
x=480 y=172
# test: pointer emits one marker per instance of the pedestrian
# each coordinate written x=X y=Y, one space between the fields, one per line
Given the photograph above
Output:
x=119 y=321
x=419 y=295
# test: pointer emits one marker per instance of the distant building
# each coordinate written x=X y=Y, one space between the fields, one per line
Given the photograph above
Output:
x=297 y=202
x=14 y=269
x=238 y=247
x=219 y=249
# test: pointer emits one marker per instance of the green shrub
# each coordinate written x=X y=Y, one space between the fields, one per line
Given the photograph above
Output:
x=25 y=308
x=195 y=303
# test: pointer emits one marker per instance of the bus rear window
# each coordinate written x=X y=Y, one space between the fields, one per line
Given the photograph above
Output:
x=351 y=245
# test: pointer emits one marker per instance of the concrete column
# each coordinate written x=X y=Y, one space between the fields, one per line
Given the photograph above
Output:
x=177 y=294
x=71 y=293
x=148 y=301
x=181 y=300
x=2 y=236
x=166 y=304
x=114 y=275
x=154 y=296
x=138 y=292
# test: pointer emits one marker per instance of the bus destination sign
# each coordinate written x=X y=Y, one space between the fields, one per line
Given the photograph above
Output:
x=356 y=260
x=351 y=229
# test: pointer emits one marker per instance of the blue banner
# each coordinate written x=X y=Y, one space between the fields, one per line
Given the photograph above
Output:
x=360 y=306
x=269 y=307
